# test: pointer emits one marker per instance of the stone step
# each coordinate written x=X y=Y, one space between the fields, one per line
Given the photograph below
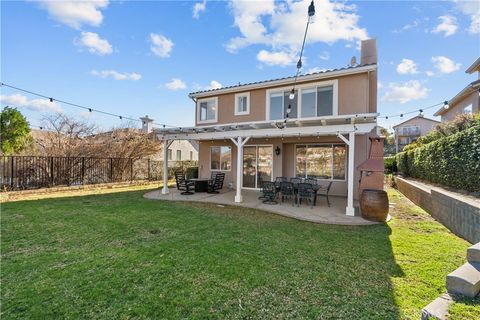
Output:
x=473 y=253
x=465 y=280
x=438 y=308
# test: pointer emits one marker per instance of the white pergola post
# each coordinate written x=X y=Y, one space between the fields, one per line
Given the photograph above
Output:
x=239 y=143
x=166 y=145
x=350 y=210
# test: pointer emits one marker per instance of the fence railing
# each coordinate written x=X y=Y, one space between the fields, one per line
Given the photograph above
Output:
x=31 y=172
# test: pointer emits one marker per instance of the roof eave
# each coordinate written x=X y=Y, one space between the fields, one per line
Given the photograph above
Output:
x=473 y=67
x=284 y=81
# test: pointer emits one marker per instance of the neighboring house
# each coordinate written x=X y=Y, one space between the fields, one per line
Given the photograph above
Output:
x=243 y=130
x=178 y=150
x=467 y=100
x=182 y=150
x=410 y=130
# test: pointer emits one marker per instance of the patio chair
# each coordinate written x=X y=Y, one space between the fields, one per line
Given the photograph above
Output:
x=305 y=191
x=279 y=180
x=182 y=184
x=216 y=184
x=296 y=180
x=287 y=191
x=311 y=180
x=262 y=195
x=324 y=190
x=269 y=192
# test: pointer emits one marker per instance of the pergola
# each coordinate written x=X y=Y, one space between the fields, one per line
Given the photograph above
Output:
x=345 y=127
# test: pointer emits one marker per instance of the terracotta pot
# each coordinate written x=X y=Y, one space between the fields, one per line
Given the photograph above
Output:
x=374 y=205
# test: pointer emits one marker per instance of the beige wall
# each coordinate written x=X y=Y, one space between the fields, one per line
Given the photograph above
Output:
x=357 y=93
x=283 y=164
x=425 y=125
x=457 y=108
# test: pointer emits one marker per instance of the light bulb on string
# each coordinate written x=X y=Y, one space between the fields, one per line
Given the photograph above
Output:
x=292 y=94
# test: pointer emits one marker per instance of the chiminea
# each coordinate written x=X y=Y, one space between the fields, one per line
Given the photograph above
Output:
x=373 y=200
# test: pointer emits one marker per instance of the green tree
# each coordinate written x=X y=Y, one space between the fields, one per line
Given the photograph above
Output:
x=389 y=144
x=14 y=131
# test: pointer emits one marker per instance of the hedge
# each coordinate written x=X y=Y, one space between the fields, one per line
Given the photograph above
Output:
x=390 y=164
x=452 y=161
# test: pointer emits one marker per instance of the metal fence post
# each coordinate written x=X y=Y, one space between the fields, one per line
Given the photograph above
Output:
x=51 y=171
x=111 y=169
x=148 y=169
x=83 y=170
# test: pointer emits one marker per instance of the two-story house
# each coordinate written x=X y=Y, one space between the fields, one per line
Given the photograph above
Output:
x=410 y=130
x=466 y=101
x=316 y=127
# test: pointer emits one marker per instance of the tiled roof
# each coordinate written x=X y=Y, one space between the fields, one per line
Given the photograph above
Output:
x=285 y=78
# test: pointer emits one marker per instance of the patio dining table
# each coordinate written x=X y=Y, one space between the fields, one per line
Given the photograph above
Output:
x=201 y=184
x=315 y=187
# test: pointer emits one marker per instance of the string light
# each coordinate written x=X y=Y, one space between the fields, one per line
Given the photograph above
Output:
x=444 y=103
x=51 y=99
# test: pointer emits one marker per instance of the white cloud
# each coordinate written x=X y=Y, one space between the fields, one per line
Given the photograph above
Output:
x=76 y=13
x=160 y=45
x=430 y=73
x=408 y=26
x=276 y=58
x=94 y=43
x=214 y=85
x=333 y=22
x=471 y=9
x=445 y=65
x=198 y=8
x=405 y=92
x=324 y=55
x=175 y=84
x=448 y=26
x=21 y=101
x=117 y=75
x=379 y=84
x=407 y=66
x=315 y=70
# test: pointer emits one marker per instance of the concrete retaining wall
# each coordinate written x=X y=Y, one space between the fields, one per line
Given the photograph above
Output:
x=458 y=213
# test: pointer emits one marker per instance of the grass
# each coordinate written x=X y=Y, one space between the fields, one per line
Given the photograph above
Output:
x=121 y=256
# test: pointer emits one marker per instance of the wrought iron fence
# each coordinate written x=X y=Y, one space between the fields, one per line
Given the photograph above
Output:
x=31 y=172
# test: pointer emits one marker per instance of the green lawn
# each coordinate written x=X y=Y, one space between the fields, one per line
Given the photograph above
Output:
x=121 y=256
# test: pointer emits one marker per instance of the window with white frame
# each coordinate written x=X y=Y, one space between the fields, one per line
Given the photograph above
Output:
x=317 y=101
x=279 y=102
x=191 y=155
x=207 y=110
x=321 y=161
x=220 y=158
x=179 y=155
x=242 y=103
x=169 y=154
x=468 y=109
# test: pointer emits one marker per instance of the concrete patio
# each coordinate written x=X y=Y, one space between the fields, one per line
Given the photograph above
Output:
x=321 y=213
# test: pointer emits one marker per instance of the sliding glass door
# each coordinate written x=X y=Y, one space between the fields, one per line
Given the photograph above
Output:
x=257 y=165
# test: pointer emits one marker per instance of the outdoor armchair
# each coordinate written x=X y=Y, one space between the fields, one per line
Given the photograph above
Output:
x=182 y=184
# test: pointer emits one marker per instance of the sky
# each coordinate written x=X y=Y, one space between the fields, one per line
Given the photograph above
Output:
x=135 y=58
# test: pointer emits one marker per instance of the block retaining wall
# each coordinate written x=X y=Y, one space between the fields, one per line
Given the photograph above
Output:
x=456 y=212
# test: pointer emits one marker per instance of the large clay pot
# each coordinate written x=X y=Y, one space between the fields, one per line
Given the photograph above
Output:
x=374 y=205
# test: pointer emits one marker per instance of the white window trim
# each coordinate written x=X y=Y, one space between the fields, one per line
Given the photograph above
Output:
x=198 y=110
x=243 y=94
x=299 y=89
x=231 y=157
x=322 y=144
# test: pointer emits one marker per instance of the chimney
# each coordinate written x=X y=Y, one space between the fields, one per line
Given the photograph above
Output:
x=147 y=124
x=368 y=51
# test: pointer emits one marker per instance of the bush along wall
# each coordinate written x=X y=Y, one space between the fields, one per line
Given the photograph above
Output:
x=390 y=165
x=452 y=161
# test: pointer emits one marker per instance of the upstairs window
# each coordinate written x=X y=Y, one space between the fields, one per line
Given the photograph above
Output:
x=242 y=103
x=207 y=110
x=179 y=155
x=317 y=101
x=279 y=102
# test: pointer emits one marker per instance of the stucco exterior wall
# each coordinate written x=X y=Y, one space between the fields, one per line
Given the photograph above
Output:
x=425 y=125
x=185 y=147
x=457 y=108
x=284 y=164
x=357 y=93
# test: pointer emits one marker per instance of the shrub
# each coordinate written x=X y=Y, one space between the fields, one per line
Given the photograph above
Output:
x=452 y=161
x=390 y=165
x=192 y=172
